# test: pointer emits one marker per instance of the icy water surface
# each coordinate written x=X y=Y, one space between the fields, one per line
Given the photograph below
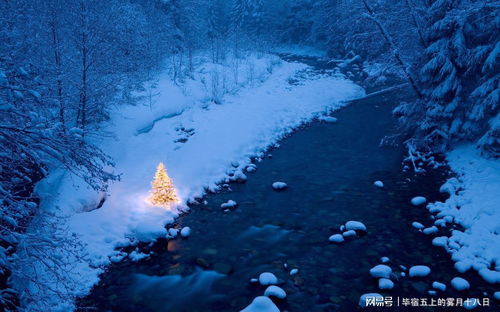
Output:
x=330 y=170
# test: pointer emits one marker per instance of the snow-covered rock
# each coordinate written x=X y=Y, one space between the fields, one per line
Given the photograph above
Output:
x=381 y=271
x=328 y=119
x=385 y=283
x=185 y=231
x=419 y=271
x=336 y=238
x=279 y=186
x=261 y=304
x=418 y=200
x=275 y=291
x=251 y=168
x=294 y=272
x=492 y=277
x=430 y=230
x=385 y=259
x=496 y=295
x=365 y=297
x=355 y=226
x=440 y=241
x=378 y=184
x=230 y=204
x=417 y=225
x=439 y=286
x=267 y=278
x=349 y=233
x=239 y=176
x=172 y=233
x=471 y=303
x=460 y=284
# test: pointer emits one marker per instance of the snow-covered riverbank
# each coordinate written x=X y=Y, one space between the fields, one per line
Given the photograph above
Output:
x=201 y=144
x=474 y=205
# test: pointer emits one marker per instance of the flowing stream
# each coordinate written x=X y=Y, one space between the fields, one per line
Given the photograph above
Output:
x=330 y=169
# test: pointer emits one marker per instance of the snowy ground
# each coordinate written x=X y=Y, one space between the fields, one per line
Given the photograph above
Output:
x=473 y=204
x=200 y=143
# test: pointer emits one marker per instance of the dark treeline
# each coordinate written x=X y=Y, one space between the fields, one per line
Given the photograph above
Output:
x=65 y=64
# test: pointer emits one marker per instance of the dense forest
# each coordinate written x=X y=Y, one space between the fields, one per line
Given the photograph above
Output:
x=65 y=64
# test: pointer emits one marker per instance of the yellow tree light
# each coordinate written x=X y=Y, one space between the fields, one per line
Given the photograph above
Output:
x=163 y=192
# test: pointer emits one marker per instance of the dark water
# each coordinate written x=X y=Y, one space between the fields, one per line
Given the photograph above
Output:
x=330 y=170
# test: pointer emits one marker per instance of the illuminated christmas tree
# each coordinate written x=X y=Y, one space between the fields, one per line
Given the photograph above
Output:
x=163 y=192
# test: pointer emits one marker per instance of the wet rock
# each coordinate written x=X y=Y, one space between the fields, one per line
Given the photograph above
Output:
x=298 y=281
x=202 y=262
x=223 y=268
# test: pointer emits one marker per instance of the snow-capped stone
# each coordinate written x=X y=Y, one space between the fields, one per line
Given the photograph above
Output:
x=419 y=271
x=463 y=266
x=173 y=232
x=294 y=271
x=239 y=176
x=417 y=225
x=251 y=168
x=378 y=184
x=275 y=291
x=430 y=230
x=254 y=280
x=185 y=231
x=279 y=186
x=349 y=233
x=418 y=200
x=460 y=284
x=432 y=292
x=440 y=241
x=496 y=295
x=384 y=259
x=261 y=304
x=381 y=271
x=385 y=283
x=402 y=274
x=364 y=297
x=230 y=204
x=328 y=119
x=355 y=226
x=492 y=277
x=471 y=303
x=267 y=278
x=235 y=164
x=336 y=238
x=439 y=286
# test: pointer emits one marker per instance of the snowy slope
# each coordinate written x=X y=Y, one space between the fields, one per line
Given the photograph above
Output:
x=213 y=138
x=474 y=204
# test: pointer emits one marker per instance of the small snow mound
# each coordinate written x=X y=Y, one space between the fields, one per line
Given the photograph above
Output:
x=294 y=271
x=378 y=184
x=418 y=200
x=496 y=295
x=460 y=284
x=186 y=231
x=336 y=238
x=369 y=296
x=275 y=291
x=267 y=278
x=419 y=271
x=471 y=303
x=279 y=186
x=440 y=241
x=439 y=286
x=381 y=271
x=430 y=230
x=417 y=225
x=172 y=233
x=355 y=226
x=261 y=304
x=385 y=259
x=349 y=233
x=385 y=283
x=328 y=119
x=230 y=204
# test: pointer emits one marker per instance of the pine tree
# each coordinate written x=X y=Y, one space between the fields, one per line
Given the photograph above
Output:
x=163 y=193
